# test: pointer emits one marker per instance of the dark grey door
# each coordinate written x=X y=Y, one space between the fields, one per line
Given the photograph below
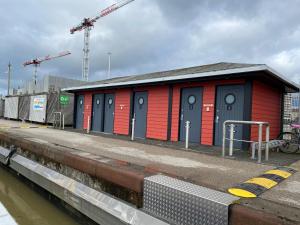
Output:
x=79 y=111
x=229 y=106
x=140 y=114
x=109 y=113
x=191 y=110
x=97 y=116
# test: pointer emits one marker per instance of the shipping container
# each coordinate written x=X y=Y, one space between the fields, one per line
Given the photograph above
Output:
x=24 y=107
x=60 y=103
x=38 y=108
x=2 y=105
x=11 y=107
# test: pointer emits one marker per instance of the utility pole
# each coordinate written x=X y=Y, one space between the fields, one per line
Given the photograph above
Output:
x=8 y=77
x=109 y=61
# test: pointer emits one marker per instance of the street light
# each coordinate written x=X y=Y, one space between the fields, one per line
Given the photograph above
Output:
x=8 y=72
x=109 y=65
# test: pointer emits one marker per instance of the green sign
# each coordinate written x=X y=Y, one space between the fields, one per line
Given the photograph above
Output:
x=64 y=99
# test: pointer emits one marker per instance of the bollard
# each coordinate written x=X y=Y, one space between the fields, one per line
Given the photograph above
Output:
x=88 y=125
x=187 y=134
x=231 y=137
x=267 y=143
x=259 y=143
x=253 y=150
x=63 y=121
x=132 y=128
x=224 y=140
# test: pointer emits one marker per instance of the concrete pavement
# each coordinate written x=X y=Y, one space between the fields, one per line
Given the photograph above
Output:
x=210 y=171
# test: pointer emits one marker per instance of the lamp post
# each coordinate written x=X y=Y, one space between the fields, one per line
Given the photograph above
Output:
x=109 y=65
x=8 y=77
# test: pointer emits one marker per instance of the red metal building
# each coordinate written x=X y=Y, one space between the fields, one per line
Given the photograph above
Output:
x=206 y=96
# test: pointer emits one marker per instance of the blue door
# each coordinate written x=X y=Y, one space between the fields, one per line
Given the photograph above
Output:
x=229 y=106
x=140 y=114
x=109 y=111
x=79 y=111
x=191 y=110
x=97 y=115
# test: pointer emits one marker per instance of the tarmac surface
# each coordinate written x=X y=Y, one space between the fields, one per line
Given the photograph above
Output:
x=203 y=169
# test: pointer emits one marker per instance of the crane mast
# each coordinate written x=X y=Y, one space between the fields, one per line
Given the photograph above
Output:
x=87 y=25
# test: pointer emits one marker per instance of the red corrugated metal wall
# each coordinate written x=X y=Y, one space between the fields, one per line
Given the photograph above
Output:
x=122 y=111
x=266 y=106
x=157 y=118
x=208 y=114
x=88 y=98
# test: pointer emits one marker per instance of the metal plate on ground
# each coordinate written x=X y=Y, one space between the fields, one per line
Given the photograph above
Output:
x=184 y=203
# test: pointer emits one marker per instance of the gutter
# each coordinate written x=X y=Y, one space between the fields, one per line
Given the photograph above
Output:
x=188 y=76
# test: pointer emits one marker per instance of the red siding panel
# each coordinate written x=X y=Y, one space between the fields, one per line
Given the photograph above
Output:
x=157 y=117
x=266 y=106
x=122 y=111
x=175 y=113
x=208 y=114
x=87 y=109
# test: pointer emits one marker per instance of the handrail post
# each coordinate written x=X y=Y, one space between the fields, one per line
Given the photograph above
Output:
x=267 y=142
x=231 y=139
x=63 y=121
x=60 y=120
x=132 y=128
x=224 y=139
x=259 y=142
x=187 y=134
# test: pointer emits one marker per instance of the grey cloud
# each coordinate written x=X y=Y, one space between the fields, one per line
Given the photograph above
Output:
x=149 y=36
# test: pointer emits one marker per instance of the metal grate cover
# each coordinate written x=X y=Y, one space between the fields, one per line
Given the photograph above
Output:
x=184 y=203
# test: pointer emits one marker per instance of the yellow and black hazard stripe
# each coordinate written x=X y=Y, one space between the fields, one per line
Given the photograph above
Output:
x=258 y=185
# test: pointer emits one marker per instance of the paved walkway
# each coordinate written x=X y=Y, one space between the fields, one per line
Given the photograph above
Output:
x=210 y=171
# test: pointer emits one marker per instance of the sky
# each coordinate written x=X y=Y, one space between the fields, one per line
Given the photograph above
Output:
x=148 y=36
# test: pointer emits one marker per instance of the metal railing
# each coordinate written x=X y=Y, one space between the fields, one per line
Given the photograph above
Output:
x=59 y=120
x=260 y=139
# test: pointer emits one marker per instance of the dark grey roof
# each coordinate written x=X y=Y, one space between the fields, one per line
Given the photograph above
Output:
x=177 y=72
x=198 y=72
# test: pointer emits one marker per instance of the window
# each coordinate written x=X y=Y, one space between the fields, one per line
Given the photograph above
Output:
x=230 y=99
x=141 y=101
x=192 y=99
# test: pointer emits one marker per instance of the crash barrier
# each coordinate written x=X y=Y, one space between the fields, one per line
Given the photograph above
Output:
x=180 y=202
x=231 y=138
x=98 y=206
x=256 y=186
x=5 y=155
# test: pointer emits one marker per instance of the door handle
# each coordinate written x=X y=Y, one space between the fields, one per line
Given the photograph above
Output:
x=181 y=116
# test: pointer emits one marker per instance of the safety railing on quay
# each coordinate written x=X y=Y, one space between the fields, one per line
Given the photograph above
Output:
x=59 y=120
x=231 y=138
